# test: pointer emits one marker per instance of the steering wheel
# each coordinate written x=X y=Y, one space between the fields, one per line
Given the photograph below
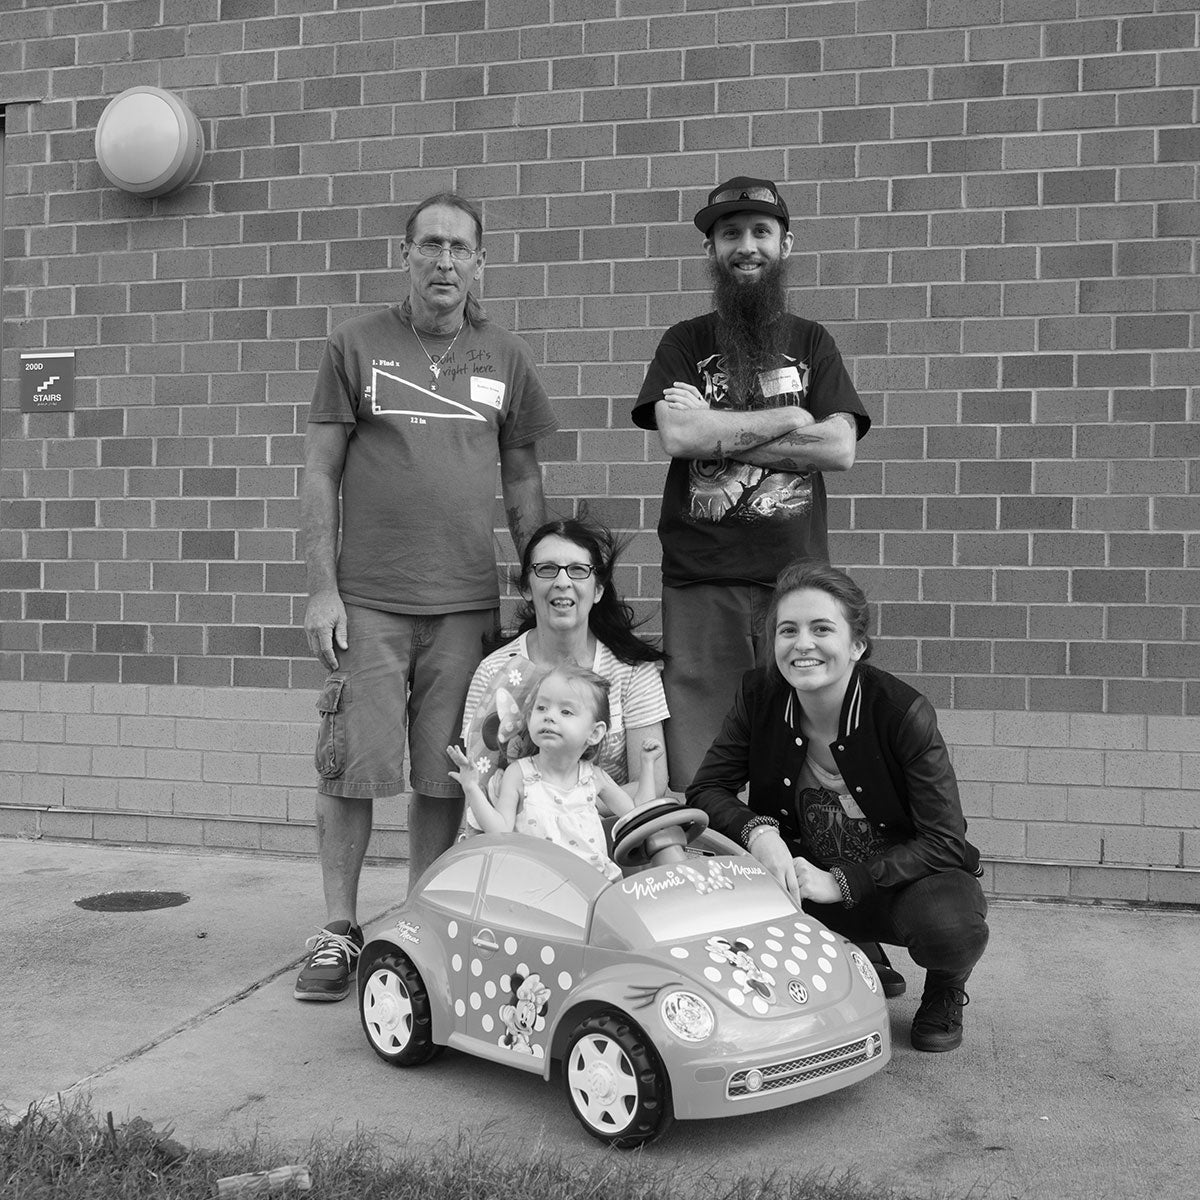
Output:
x=640 y=835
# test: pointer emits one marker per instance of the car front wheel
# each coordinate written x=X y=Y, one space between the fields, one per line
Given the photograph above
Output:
x=615 y=1083
x=394 y=1007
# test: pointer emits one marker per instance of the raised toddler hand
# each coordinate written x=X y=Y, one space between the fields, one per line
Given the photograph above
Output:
x=467 y=773
x=652 y=751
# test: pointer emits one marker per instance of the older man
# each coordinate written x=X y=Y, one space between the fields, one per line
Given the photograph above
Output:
x=752 y=404
x=413 y=407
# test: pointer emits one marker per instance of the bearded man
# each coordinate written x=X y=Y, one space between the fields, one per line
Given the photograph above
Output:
x=752 y=404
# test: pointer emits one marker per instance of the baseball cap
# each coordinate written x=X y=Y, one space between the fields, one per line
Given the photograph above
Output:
x=742 y=194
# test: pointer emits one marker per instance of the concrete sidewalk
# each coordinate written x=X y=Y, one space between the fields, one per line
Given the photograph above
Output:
x=1079 y=1076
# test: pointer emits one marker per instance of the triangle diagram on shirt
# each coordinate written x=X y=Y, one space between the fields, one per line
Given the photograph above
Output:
x=392 y=394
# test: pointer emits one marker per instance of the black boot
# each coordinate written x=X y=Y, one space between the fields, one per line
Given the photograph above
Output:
x=938 y=1023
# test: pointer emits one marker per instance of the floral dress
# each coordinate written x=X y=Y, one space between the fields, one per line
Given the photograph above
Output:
x=567 y=818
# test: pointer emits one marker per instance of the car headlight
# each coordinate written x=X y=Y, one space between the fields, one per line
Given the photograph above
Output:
x=688 y=1016
x=866 y=970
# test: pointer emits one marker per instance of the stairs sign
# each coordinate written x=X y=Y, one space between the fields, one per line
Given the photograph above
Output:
x=48 y=381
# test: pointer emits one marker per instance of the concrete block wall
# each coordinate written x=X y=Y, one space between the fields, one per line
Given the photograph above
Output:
x=1081 y=805
x=996 y=212
x=151 y=765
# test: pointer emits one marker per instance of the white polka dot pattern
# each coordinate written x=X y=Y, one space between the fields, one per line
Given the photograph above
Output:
x=734 y=963
x=510 y=998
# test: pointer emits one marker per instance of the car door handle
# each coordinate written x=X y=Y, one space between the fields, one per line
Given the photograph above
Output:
x=483 y=939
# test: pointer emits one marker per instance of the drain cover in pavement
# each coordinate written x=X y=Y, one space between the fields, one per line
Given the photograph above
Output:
x=132 y=901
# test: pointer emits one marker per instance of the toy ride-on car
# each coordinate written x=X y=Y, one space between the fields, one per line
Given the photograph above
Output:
x=692 y=987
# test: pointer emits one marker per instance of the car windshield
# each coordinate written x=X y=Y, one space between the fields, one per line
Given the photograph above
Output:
x=688 y=900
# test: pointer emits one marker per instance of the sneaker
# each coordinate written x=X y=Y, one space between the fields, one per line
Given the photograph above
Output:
x=891 y=979
x=327 y=972
x=938 y=1023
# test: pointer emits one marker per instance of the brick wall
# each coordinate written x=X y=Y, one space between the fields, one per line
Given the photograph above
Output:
x=997 y=214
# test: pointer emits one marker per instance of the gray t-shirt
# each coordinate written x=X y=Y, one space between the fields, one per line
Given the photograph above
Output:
x=420 y=479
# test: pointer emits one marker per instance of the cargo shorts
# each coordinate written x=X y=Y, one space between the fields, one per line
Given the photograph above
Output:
x=403 y=679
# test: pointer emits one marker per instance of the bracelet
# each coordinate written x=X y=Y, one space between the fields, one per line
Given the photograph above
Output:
x=839 y=877
x=755 y=835
x=756 y=824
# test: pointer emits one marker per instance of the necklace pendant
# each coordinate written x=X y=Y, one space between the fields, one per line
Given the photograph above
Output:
x=436 y=369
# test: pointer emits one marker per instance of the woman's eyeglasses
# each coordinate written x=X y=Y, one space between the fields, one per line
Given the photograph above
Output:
x=549 y=570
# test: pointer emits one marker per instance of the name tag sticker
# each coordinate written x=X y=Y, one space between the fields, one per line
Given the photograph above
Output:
x=850 y=808
x=777 y=383
x=487 y=391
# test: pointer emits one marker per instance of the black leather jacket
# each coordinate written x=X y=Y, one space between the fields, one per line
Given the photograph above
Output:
x=890 y=755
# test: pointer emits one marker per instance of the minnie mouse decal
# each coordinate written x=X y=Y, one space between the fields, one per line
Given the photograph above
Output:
x=747 y=974
x=524 y=1016
x=713 y=881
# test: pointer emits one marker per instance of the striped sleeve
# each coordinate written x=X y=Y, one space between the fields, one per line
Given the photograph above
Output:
x=645 y=702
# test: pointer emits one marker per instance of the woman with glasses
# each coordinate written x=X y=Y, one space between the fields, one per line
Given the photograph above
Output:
x=572 y=614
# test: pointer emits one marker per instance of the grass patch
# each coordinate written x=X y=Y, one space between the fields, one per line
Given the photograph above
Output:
x=66 y=1152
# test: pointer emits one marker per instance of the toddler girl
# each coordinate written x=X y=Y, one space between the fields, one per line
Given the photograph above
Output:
x=553 y=794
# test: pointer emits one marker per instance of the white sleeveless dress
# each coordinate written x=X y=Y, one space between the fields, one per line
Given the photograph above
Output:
x=567 y=818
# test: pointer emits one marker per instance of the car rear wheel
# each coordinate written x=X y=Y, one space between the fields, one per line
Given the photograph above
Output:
x=394 y=1007
x=615 y=1083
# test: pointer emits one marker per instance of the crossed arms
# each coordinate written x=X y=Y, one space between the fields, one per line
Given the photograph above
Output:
x=788 y=438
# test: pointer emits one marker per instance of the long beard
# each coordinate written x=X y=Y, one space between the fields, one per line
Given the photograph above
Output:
x=751 y=329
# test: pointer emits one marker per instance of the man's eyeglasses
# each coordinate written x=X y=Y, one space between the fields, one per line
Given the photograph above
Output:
x=456 y=250
x=574 y=570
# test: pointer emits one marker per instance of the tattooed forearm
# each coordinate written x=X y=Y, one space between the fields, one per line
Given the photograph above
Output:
x=521 y=484
x=794 y=465
x=520 y=526
x=779 y=460
x=826 y=445
x=801 y=437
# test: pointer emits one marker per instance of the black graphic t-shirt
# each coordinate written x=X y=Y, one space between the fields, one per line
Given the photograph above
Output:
x=833 y=829
x=729 y=521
